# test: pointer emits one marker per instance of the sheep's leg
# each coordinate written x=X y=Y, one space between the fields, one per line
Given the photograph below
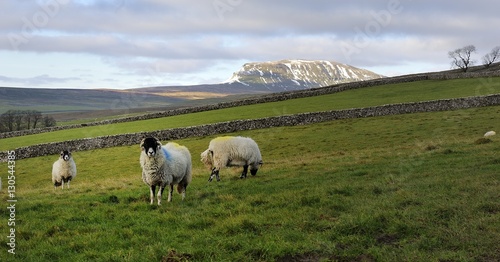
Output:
x=215 y=173
x=183 y=194
x=211 y=175
x=245 y=171
x=217 y=176
x=68 y=184
x=181 y=189
x=170 y=190
x=160 y=193
x=152 y=190
x=56 y=184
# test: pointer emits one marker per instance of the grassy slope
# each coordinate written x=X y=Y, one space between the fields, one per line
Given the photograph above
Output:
x=393 y=188
x=397 y=93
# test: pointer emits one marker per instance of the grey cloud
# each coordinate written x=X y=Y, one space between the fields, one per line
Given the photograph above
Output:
x=189 y=36
x=156 y=67
x=37 y=80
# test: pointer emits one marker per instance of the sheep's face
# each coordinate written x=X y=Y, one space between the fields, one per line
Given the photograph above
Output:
x=65 y=155
x=150 y=146
x=206 y=158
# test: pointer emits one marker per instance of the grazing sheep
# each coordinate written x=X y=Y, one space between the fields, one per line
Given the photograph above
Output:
x=63 y=170
x=232 y=151
x=490 y=133
x=165 y=165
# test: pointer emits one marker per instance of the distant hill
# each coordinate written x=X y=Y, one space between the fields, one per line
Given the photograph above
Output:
x=49 y=100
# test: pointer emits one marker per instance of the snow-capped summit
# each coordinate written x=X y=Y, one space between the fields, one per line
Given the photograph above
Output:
x=298 y=74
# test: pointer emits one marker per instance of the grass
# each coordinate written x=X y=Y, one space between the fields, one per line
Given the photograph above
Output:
x=395 y=93
x=393 y=188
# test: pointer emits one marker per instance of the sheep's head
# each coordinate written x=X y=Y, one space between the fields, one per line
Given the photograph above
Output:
x=150 y=145
x=206 y=158
x=65 y=155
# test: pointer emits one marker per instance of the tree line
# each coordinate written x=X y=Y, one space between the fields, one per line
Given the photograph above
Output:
x=17 y=120
x=461 y=57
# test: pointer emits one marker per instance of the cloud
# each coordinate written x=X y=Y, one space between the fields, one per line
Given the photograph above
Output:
x=40 y=80
x=185 y=39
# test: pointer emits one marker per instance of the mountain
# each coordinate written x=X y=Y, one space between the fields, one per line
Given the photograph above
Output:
x=271 y=77
x=298 y=74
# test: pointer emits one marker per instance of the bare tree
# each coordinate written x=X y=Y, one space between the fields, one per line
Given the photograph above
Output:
x=37 y=116
x=28 y=118
x=32 y=117
x=7 y=119
x=19 y=116
x=491 y=57
x=49 y=121
x=13 y=120
x=461 y=57
x=3 y=128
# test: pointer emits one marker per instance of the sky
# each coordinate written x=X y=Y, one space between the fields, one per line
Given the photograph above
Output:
x=124 y=44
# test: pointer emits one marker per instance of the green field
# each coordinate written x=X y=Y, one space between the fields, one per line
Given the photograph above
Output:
x=420 y=187
x=365 y=97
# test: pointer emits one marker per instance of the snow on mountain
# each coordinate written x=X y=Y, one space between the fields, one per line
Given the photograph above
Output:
x=298 y=74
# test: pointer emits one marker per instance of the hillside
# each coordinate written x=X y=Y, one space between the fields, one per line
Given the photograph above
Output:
x=50 y=101
x=357 y=98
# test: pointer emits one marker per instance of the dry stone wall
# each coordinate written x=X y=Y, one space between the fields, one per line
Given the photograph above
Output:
x=240 y=125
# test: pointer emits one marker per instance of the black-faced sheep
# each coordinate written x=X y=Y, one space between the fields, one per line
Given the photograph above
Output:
x=230 y=151
x=165 y=165
x=63 y=170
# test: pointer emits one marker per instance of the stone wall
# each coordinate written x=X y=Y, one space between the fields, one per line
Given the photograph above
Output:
x=265 y=99
x=239 y=125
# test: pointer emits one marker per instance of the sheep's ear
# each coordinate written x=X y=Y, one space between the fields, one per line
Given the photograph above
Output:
x=158 y=144
x=141 y=145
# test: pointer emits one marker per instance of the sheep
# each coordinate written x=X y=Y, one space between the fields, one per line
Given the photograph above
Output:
x=165 y=165
x=490 y=133
x=63 y=170
x=232 y=151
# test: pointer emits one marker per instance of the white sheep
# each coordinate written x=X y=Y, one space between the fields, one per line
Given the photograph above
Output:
x=489 y=133
x=230 y=151
x=63 y=170
x=165 y=165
